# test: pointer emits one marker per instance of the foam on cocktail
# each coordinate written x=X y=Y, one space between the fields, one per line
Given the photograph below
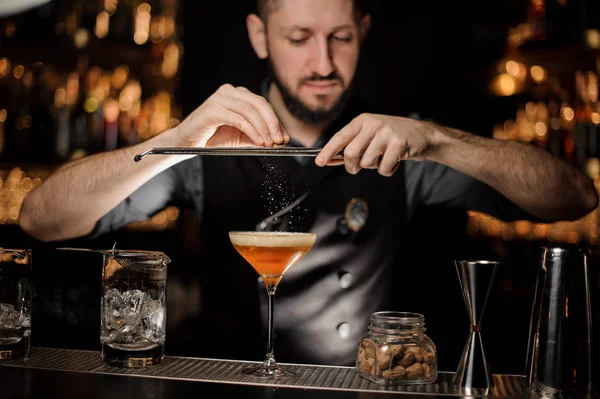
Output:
x=271 y=239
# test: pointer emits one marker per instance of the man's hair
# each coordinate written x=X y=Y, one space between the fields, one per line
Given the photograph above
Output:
x=265 y=7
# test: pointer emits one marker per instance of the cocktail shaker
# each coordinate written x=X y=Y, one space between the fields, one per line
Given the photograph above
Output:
x=560 y=352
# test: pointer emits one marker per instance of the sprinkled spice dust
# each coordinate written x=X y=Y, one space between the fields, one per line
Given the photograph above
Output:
x=281 y=188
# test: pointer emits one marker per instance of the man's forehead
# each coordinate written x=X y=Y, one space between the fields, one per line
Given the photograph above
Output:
x=309 y=13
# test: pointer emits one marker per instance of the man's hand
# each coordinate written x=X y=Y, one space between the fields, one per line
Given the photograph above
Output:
x=379 y=142
x=536 y=181
x=231 y=117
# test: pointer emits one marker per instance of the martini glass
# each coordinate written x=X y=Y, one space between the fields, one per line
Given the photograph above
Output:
x=271 y=254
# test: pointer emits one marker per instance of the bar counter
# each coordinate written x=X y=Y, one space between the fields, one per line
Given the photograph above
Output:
x=62 y=373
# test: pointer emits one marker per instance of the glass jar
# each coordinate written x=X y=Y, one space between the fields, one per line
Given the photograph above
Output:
x=396 y=351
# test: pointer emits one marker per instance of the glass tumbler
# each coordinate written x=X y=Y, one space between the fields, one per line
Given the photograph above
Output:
x=133 y=308
x=15 y=303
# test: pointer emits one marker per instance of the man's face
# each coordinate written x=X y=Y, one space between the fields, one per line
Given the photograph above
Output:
x=313 y=50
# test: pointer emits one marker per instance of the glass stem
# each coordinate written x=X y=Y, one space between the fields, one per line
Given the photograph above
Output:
x=270 y=359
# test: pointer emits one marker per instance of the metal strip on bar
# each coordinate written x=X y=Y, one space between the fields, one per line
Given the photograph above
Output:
x=230 y=371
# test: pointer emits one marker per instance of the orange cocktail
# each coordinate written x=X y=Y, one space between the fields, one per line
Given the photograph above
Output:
x=271 y=254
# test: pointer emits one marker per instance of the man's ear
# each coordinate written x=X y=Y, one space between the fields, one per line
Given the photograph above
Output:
x=257 y=33
x=364 y=25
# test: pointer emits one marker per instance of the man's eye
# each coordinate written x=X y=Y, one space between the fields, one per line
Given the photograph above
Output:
x=297 y=41
x=344 y=39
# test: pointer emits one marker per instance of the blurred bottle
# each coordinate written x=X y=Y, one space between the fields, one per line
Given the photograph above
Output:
x=557 y=143
x=589 y=21
x=41 y=123
x=582 y=110
x=536 y=17
x=127 y=133
x=97 y=124
x=562 y=24
x=62 y=142
x=72 y=17
x=130 y=105
x=17 y=92
x=22 y=150
x=555 y=23
x=89 y=9
x=111 y=123
x=3 y=116
x=77 y=87
x=121 y=20
x=592 y=164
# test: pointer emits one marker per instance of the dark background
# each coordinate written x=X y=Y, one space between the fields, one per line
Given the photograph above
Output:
x=430 y=58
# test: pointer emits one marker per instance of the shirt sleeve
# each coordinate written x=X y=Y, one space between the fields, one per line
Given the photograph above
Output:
x=430 y=184
x=168 y=187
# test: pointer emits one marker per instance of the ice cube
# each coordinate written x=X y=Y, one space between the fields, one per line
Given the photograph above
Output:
x=10 y=318
x=150 y=305
x=134 y=300
x=133 y=320
x=129 y=333
x=132 y=316
x=157 y=318
x=153 y=320
x=6 y=308
x=113 y=298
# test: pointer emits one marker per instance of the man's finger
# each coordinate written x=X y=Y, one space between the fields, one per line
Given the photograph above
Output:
x=265 y=110
x=354 y=151
x=335 y=162
x=372 y=155
x=249 y=112
x=338 y=142
x=391 y=158
x=286 y=135
x=238 y=121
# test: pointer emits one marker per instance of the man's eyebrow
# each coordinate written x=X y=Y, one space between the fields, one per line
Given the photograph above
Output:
x=342 y=27
x=295 y=28
x=308 y=30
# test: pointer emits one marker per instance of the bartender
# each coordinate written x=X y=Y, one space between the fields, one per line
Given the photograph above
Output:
x=359 y=211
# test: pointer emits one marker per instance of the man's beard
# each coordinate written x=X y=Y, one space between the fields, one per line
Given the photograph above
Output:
x=315 y=117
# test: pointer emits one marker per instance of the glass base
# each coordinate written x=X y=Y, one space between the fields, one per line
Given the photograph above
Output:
x=132 y=358
x=16 y=350
x=264 y=371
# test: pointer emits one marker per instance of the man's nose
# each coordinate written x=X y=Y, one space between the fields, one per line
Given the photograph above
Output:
x=322 y=59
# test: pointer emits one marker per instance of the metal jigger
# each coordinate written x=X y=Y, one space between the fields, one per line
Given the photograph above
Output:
x=476 y=279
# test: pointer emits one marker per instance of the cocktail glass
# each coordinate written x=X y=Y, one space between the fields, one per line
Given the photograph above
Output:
x=271 y=254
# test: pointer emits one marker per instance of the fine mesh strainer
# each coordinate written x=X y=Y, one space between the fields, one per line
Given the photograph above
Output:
x=139 y=261
x=15 y=255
